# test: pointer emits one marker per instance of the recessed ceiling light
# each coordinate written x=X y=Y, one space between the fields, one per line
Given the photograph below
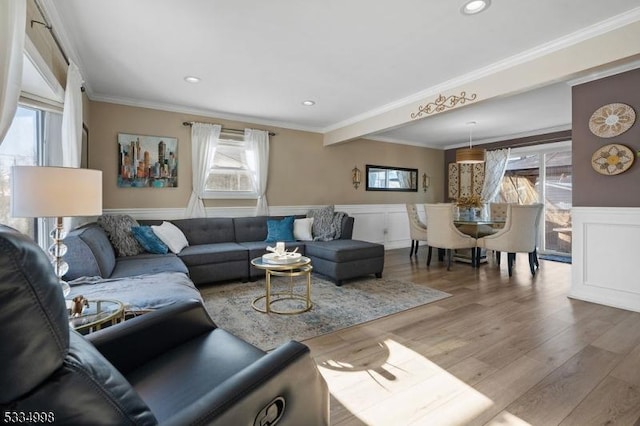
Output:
x=192 y=79
x=308 y=102
x=474 y=6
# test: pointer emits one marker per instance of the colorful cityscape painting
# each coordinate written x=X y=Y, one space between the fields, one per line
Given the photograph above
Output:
x=147 y=161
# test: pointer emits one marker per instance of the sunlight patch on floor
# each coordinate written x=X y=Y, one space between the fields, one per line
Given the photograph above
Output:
x=393 y=384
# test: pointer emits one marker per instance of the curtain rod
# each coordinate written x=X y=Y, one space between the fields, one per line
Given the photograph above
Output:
x=53 y=35
x=224 y=129
x=50 y=28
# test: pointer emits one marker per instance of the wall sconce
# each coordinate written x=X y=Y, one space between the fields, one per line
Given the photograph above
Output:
x=356 y=176
x=426 y=181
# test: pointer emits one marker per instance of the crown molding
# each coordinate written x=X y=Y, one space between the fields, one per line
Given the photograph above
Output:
x=200 y=112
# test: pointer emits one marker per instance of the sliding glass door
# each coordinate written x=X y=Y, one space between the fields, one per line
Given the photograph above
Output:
x=556 y=192
x=543 y=174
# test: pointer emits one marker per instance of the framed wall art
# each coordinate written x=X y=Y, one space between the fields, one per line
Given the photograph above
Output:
x=147 y=161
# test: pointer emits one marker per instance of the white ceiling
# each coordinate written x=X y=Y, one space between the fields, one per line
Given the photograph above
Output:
x=258 y=60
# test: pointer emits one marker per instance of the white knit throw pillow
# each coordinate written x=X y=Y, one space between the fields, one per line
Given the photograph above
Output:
x=171 y=235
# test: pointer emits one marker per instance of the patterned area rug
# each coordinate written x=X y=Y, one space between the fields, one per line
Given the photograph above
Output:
x=334 y=307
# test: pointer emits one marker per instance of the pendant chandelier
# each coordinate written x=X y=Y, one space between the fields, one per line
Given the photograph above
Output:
x=470 y=155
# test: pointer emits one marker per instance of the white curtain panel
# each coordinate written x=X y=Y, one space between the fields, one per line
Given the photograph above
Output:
x=13 y=16
x=72 y=118
x=494 y=167
x=204 y=141
x=258 y=141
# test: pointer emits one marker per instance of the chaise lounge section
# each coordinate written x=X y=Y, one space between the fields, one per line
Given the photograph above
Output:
x=345 y=258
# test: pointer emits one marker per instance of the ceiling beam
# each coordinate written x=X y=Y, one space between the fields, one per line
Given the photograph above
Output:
x=571 y=61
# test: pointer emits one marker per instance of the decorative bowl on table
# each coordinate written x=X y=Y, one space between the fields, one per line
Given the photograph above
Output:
x=281 y=259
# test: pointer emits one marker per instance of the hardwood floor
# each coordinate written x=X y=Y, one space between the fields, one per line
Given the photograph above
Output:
x=500 y=351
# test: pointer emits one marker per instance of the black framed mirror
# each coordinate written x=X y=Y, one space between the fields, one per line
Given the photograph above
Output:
x=383 y=178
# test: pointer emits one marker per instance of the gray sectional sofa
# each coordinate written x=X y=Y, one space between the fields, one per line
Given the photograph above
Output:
x=220 y=249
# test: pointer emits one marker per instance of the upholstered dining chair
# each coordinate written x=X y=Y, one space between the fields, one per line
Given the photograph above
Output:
x=519 y=235
x=444 y=235
x=417 y=229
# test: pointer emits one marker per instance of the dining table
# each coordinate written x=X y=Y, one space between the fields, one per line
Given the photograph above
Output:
x=476 y=227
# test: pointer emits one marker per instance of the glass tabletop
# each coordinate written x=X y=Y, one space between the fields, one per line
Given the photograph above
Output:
x=97 y=313
x=478 y=228
x=258 y=262
x=479 y=221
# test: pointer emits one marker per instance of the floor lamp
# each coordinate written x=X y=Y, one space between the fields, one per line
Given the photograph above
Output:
x=56 y=192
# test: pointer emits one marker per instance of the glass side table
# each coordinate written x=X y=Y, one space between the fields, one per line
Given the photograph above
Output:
x=98 y=314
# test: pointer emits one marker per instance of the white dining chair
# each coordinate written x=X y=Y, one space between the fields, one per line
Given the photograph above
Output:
x=417 y=228
x=519 y=235
x=444 y=235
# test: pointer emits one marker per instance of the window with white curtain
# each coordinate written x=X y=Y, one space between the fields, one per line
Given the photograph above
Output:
x=230 y=174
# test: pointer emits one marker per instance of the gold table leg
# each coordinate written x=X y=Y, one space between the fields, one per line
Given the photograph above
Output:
x=271 y=297
x=267 y=305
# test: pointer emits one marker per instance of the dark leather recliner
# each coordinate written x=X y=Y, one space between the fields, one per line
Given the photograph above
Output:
x=171 y=366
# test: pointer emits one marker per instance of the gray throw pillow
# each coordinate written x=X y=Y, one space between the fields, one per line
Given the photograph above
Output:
x=323 y=227
x=118 y=229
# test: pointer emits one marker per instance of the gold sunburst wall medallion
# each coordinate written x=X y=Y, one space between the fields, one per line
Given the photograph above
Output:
x=612 y=120
x=443 y=103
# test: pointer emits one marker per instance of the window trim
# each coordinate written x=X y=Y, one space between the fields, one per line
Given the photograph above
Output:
x=230 y=195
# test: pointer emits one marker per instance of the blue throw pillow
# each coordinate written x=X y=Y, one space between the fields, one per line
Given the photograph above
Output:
x=280 y=230
x=148 y=240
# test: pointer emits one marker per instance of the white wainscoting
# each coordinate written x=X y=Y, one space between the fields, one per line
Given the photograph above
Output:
x=606 y=256
x=378 y=223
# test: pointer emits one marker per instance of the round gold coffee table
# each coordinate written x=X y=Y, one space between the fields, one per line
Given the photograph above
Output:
x=299 y=268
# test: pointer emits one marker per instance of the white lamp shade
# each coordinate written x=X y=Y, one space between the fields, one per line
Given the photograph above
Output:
x=55 y=192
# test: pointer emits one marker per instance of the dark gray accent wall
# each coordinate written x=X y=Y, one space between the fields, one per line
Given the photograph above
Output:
x=591 y=189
